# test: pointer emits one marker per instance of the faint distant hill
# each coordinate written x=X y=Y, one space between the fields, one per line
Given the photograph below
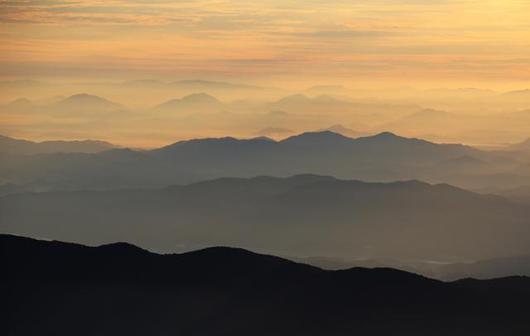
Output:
x=341 y=129
x=522 y=146
x=482 y=269
x=517 y=94
x=274 y=132
x=62 y=288
x=200 y=101
x=488 y=269
x=300 y=215
x=24 y=147
x=293 y=99
x=84 y=103
x=20 y=104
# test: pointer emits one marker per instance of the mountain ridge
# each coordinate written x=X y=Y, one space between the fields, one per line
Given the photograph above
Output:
x=26 y=147
x=234 y=290
x=299 y=215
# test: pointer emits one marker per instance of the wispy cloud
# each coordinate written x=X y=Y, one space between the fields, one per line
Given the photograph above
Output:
x=223 y=36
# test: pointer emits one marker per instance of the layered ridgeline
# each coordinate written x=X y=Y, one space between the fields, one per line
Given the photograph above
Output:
x=447 y=271
x=304 y=215
x=383 y=157
x=67 y=289
x=11 y=146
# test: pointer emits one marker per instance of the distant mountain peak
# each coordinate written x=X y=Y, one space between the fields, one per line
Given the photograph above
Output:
x=22 y=100
x=86 y=100
x=85 y=96
x=325 y=135
x=340 y=129
x=20 y=103
x=19 y=146
x=194 y=99
x=387 y=135
x=200 y=97
x=122 y=247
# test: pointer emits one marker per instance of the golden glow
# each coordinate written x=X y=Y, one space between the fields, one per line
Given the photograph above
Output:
x=378 y=45
x=427 y=40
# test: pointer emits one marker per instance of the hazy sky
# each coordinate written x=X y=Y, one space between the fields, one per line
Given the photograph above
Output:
x=486 y=42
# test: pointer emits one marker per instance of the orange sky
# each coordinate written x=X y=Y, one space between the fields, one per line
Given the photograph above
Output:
x=462 y=42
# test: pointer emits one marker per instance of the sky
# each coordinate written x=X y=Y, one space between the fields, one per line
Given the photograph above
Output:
x=451 y=42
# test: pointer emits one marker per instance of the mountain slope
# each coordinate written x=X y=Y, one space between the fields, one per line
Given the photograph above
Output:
x=62 y=288
x=522 y=146
x=300 y=215
x=85 y=103
x=199 y=101
x=24 y=147
x=382 y=157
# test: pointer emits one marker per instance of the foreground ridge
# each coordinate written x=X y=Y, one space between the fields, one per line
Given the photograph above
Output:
x=63 y=287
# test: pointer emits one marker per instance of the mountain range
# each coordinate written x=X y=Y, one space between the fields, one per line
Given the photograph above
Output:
x=62 y=289
x=190 y=102
x=24 y=147
x=197 y=103
x=445 y=271
x=303 y=215
x=382 y=157
x=84 y=103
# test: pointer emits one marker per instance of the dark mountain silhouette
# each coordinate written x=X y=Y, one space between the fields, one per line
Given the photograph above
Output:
x=382 y=157
x=63 y=288
x=300 y=215
x=24 y=147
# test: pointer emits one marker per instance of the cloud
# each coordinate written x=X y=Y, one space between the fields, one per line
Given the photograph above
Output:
x=262 y=37
x=345 y=34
